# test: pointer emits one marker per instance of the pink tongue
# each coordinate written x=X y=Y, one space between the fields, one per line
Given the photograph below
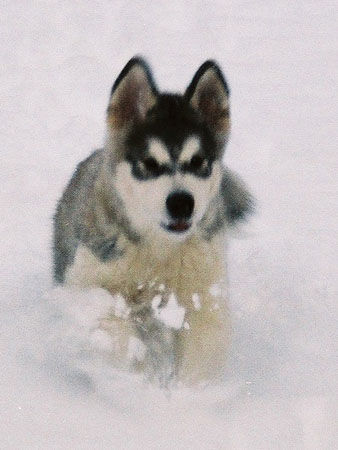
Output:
x=180 y=226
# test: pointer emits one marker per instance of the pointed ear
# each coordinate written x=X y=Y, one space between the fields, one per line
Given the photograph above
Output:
x=208 y=93
x=133 y=94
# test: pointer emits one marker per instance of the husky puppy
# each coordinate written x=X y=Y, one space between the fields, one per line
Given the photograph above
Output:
x=146 y=218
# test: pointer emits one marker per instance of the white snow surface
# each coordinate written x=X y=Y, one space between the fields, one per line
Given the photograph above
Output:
x=196 y=300
x=171 y=314
x=59 y=60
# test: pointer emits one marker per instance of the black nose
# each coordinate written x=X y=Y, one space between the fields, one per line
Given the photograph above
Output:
x=180 y=205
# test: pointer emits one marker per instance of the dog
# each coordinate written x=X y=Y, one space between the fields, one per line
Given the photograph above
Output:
x=146 y=218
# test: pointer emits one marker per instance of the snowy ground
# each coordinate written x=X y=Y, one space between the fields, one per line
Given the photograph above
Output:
x=59 y=59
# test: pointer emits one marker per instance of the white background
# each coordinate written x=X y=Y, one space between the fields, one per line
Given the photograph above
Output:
x=58 y=62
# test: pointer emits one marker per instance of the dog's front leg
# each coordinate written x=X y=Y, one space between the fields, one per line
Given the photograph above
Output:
x=160 y=342
x=203 y=345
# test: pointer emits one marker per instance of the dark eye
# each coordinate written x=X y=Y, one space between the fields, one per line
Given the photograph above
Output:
x=151 y=164
x=196 y=162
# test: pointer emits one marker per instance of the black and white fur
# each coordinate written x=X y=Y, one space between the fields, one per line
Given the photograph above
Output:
x=146 y=218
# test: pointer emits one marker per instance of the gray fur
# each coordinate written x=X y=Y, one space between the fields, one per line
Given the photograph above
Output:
x=79 y=219
x=161 y=345
x=91 y=212
x=233 y=204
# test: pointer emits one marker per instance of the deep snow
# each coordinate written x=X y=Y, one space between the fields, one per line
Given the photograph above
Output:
x=59 y=59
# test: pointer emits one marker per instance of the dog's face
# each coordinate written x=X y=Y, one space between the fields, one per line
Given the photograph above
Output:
x=167 y=148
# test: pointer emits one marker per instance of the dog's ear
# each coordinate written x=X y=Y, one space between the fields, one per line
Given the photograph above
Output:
x=133 y=94
x=208 y=93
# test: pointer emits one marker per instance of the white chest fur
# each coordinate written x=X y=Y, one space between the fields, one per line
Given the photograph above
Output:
x=188 y=270
x=185 y=268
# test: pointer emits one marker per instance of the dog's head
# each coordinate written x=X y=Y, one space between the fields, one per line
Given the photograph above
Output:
x=165 y=150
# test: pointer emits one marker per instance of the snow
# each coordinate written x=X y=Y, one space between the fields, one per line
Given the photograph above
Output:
x=216 y=290
x=136 y=349
x=196 y=301
x=171 y=314
x=119 y=306
x=57 y=387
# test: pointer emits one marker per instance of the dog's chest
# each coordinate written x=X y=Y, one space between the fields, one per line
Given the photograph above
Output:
x=187 y=268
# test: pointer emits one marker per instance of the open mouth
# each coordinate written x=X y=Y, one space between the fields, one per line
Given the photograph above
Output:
x=177 y=227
